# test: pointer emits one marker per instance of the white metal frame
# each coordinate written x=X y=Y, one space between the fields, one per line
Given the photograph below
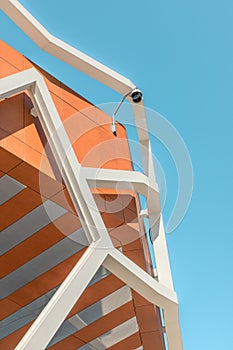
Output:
x=79 y=179
x=114 y=80
x=101 y=250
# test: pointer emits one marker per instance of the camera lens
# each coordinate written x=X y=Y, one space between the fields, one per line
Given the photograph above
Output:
x=136 y=96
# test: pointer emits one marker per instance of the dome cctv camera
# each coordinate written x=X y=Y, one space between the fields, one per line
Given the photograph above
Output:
x=136 y=95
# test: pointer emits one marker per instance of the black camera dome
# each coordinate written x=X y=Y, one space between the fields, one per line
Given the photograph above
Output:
x=136 y=96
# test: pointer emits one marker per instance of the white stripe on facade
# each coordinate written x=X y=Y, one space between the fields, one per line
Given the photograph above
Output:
x=117 y=334
x=29 y=224
x=9 y=187
x=92 y=313
x=29 y=312
x=41 y=263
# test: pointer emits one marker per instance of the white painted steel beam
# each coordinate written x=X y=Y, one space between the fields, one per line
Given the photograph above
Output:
x=58 y=48
x=60 y=145
x=122 y=179
x=150 y=289
x=128 y=180
x=50 y=319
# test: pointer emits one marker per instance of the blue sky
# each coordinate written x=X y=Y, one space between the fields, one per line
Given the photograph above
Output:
x=180 y=53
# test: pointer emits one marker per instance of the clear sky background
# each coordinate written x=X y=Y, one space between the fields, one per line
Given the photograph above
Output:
x=180 y=53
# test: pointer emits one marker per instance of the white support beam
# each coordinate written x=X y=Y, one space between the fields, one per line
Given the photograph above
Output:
x=161 y=251
x=121 y=179
x=149 y=288
x=139 y=280
x=58 y=48
x=50 y=319
x=132 y=180
x=60 y=145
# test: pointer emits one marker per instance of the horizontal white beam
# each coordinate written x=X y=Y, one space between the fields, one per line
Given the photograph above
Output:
x=122 y=179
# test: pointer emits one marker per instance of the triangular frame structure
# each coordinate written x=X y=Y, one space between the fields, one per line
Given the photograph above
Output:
x=78 y=181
